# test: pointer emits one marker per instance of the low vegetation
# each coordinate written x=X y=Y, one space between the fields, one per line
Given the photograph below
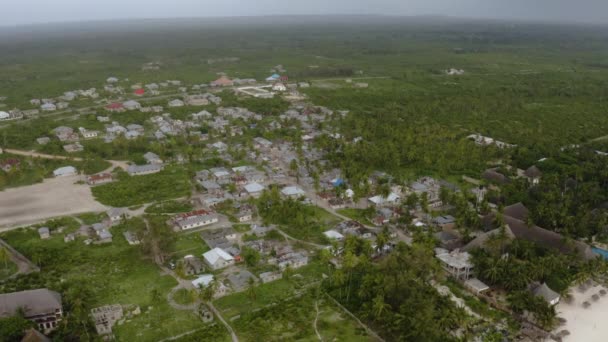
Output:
x=133 y=190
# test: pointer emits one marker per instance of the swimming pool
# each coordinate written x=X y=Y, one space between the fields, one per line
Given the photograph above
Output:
x=602 y=252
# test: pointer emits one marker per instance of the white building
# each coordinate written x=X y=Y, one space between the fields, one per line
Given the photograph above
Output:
x=217 y=259
x=65 y=171
x=254 y=189
x=131 y=105
x=176 y=103
x=48 y=107
x=293 y=191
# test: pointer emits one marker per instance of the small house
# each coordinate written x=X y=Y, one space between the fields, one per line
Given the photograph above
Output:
x=44 y=233
x=217 y=259
x=65 y=171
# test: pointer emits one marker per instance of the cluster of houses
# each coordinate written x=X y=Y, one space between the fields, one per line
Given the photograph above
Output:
x=224 y=259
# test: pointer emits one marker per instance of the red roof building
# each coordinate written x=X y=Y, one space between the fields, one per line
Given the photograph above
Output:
x=139 y=92
x=284 y=79
x=99 y=178
x=115 y=107
x=222 y=82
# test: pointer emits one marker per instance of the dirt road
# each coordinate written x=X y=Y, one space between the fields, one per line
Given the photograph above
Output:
x=115 y=163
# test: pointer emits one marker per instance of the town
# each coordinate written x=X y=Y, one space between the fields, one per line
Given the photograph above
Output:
x=283 y=207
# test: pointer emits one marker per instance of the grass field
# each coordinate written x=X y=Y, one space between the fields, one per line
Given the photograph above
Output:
x=295 y=319
x=189 y=244
x=355 y=214
x=240 y=303
x=133 y=190
x=7 y=269
x=115 y=273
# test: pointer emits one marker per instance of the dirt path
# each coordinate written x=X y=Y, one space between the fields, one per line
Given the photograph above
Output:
x=182 y=307
x=115 y=163
x=288 y=237
x=219 y=316
x=315 y=322
x=24 y=265
x=367 y=329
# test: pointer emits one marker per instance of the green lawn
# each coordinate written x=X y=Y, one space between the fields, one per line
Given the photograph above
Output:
x=355 y=214
x=189 y=244
x=185 y=297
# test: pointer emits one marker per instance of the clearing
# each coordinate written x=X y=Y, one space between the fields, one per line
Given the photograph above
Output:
x=53 y=198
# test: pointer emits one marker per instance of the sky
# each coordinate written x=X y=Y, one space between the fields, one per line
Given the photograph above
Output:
x=20 y=12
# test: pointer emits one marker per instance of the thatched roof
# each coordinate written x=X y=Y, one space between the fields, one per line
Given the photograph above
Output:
x=544 y=291
x=515 y=217
x=494 y=176
x=481 y=240
x=533 y=172
x=518 y=211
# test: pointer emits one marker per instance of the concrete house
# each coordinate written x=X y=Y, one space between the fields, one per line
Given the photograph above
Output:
x=65 y=171
x=196 y=100
x=44 y=233
x=293 y=191
x=88 y=134
x=176 y=103
x=116 y=214
x=48 y=107
x=254 y=189
x=152 y=158
x=131 y=105
x=193 y=265
x=140 y=170
x=105 y=317
x=217 y=259
x=267 y=277
x=195 y=219
x=41 y=306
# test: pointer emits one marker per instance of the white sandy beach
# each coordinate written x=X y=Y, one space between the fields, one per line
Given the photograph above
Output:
x=588 y=325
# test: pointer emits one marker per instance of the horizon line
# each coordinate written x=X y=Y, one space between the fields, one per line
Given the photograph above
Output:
x=370 y=15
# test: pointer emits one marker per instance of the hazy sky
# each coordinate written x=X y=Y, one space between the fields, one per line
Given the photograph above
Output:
x=15 y=12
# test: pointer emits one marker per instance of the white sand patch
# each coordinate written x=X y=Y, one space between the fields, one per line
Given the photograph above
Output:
x=53 y=198
x=588 y=325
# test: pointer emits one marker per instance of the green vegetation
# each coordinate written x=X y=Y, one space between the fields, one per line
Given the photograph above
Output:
x=170 y=183
x=35 y=170
x=188 y=244
x=294 y=319
x=376 y=292
x=240 y=303
x=169 y=207
x=94 y=275
x=90 y=218
x=299 y=220
x=185 y=297
x=359 y=215
x=12 y=328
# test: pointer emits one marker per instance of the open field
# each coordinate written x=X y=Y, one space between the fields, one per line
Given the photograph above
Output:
x=302 y=318
x=53 y=198
x=114 y=273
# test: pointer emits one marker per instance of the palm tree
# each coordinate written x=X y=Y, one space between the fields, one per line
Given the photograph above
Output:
x=4 y=257
x=379 y=306
x=493 y=272
x=251 y=289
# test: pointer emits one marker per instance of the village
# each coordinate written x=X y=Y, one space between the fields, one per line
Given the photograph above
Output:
x=229 y=205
